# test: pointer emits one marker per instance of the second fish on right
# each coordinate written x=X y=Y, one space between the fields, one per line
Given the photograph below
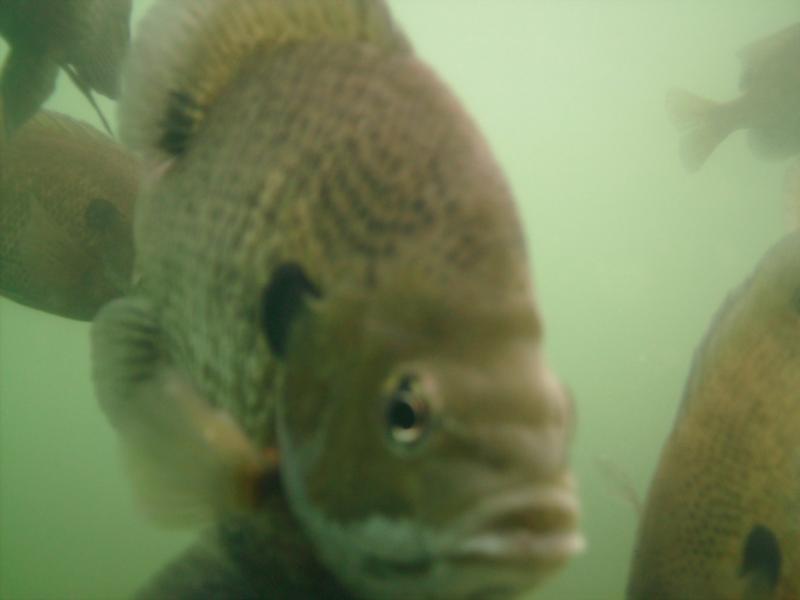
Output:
x=722 y=519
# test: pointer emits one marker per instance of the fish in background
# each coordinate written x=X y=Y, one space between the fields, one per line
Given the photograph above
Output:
x=66 y=202
x=88 y=39
x=722 y=518
x=332 y=315
x=768 y=107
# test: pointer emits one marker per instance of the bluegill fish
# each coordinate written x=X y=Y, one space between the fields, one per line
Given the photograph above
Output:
x=332 y=310
x=767 y=107
x=721 y=519
x=86 y=38
x=66 y=203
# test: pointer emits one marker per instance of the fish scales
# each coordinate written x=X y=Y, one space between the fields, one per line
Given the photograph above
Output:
x=730 y=462
x=358 y=181
x=66 y=203
x=331 y=343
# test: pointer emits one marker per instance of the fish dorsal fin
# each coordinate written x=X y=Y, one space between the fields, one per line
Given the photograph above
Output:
x=189 y=50
x=760 y=566
x=188 y=460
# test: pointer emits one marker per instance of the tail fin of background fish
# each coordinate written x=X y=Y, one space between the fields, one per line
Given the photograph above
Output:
x=697 y=119
x=190 y=50
x=188 y=460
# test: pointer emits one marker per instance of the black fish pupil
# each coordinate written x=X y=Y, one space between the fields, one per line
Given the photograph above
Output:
x=402 y=415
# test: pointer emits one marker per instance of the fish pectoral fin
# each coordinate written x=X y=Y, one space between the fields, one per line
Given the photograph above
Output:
x=28 y=79
x=188 y=460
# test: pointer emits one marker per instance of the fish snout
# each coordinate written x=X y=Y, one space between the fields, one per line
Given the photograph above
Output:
x=531 y=530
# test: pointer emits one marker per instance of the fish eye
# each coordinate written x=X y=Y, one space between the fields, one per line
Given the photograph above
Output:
x=407 y=411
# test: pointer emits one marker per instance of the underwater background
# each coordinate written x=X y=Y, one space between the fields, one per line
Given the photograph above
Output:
x=631 y=257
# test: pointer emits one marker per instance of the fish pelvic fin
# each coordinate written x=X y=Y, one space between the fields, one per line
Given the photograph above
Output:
x=699 y=121
x=188 y=460
x=190 y=50
x=28 y=79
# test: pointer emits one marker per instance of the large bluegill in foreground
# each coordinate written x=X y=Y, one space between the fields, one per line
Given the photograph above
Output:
x=66 y=202
x=332 y=331
x=721 y=519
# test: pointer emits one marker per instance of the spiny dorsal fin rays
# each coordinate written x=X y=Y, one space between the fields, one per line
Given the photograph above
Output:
x=191 y=49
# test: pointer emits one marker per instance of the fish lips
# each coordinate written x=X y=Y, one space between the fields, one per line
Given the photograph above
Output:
x=534 y=529
x=503 y=547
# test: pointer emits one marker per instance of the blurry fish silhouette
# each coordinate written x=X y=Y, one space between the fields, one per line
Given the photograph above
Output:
x=86 y=38
x=66 y=201
x=332 y=313
x=769 y=107
x=721 y=518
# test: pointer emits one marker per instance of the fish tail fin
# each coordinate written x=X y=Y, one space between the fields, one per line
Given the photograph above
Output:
x=190 y=50
x=698 y=119
x=187 y=459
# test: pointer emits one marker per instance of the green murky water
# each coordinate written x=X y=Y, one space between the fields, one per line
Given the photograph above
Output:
x=631 y=258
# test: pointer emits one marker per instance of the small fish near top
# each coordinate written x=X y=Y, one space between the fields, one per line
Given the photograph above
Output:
x=332 y=311
x=88 y=39
x=721 y=518
x=66 y=200
x=769 y=106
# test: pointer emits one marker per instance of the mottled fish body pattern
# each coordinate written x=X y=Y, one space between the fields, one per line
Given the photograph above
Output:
x=331 y=277
x=66 y=206
x=721 y=514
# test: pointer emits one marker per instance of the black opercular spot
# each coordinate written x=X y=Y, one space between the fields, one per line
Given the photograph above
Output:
x=180 y=123
x=282 y=301
x=761 y=559
x=101 y=215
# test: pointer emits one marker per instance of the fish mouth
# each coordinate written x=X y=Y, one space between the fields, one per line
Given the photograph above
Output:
x=534 y=529
x=496 y=550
